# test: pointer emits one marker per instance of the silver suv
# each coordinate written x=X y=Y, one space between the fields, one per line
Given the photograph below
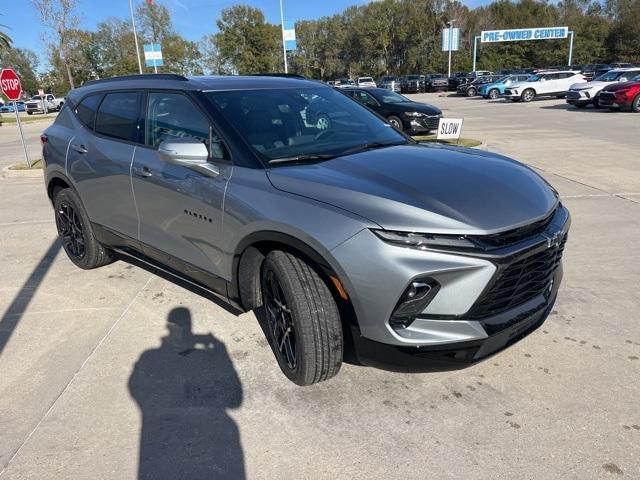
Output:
x=285 y=196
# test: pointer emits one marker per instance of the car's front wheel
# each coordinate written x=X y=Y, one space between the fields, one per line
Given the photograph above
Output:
x=76 y=233
x=528 y=95
x=302 y=319
x=635 y=104
x=471 y=92
x=493 y=93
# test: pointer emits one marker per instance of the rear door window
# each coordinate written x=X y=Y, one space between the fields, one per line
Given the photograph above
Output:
x=118 y=116
x=87 y=109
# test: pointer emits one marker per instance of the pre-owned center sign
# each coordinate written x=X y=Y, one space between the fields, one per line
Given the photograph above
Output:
x=519 y=34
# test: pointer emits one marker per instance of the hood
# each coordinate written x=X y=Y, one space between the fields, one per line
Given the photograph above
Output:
x=588 y=85
x=419 y=107
x=620 y=85
x=422 y=188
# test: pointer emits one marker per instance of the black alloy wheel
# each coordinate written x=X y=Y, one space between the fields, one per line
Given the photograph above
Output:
x=71 y=230
x=280 y=321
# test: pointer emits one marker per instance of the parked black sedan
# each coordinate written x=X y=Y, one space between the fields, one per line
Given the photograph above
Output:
x=400 y=112
x=471 y=89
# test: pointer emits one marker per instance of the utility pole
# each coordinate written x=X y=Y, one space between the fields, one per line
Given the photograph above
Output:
x=135 y=37
x=284 y=46
x=450 y=23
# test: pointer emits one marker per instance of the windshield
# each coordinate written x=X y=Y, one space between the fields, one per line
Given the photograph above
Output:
x=388 y=79
x=36 y=97
x=366 y=79
x=391 y=97
x=413 y=77
x=302 y=122
x=613 y=76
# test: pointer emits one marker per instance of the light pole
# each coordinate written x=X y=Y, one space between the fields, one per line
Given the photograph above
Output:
x=284 y=46
x=135 y=38
x=450 y=23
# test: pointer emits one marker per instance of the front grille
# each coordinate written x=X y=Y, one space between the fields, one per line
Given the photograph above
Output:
x=573 y=96
x=520 y=281
x=431 y=122
x=507 y=91
x=607 y=96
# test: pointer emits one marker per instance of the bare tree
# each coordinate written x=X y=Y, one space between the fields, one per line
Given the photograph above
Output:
x=59 y=18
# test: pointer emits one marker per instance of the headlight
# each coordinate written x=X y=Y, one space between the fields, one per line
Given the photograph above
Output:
x=414 y=114
x=424 y=241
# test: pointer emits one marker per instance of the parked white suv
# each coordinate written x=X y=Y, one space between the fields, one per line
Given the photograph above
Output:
x=582 y=94
x=543 y=84
x=365 y=82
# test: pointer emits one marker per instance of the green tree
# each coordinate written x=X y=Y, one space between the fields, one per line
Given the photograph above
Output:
x=25 y=63
x=5 y=40
x=247 y=42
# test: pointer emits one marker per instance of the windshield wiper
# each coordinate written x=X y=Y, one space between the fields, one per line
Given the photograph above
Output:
x=371 y=146
x=302 y=158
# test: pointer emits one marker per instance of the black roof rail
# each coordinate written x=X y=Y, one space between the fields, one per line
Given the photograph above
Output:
x=142 y=76
x=280 y=75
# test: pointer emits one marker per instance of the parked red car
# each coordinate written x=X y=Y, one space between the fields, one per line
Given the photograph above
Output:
x=621 y=96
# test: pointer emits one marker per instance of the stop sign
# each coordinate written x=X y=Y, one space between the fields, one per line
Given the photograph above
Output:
x=10 y=84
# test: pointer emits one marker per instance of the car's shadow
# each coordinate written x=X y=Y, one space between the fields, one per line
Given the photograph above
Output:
x=571 y=108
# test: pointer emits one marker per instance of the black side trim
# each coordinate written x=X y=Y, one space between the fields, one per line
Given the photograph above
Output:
x=170 y=268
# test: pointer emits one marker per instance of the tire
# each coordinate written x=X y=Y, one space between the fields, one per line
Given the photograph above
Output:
x=528 y=95
x=635 y=104
x=29 y=113
x=302 y=319
x=76 y=233
x=395 y=122
x=471 y=92
x=494 y=93
x=596 y=102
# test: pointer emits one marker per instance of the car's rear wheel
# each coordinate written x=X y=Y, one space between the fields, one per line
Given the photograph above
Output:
x=493 y=93
x=303 y=322
x=395 y=122
x=635 y=104
x=76 y=233
x=528 y=95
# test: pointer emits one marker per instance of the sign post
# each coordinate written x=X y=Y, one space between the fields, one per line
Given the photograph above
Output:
x=449 y=129
x=520 y=34
x=12 y=89
x=153 y=56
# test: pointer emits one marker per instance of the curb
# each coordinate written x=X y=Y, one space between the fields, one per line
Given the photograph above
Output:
x=37 y=173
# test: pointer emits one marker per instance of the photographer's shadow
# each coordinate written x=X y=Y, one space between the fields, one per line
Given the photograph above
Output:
x=183 y=389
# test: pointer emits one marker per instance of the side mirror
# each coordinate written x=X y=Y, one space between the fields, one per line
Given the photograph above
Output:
x=188 y=152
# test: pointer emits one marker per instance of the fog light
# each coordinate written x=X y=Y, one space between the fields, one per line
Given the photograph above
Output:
x=413 y=301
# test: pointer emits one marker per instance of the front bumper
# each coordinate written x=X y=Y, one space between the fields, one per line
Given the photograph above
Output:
x=469 y=309
x=423 y=124
x=579 y=97
x=610 y=99
x=449 y=356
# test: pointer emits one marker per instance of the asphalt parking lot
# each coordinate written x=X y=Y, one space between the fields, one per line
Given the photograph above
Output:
x=118 y=374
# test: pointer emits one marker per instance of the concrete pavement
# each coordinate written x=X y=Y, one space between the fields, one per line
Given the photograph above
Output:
x=117 y=373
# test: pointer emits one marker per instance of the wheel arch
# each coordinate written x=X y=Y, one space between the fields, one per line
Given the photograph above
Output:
x=56 y=182
x=247 y=262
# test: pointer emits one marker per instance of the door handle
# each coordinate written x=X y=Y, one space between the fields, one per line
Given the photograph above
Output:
x=80 y=148
x=142 y=172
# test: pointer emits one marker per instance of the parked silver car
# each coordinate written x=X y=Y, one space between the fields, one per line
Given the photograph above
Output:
x=389 y=82
x=345 y=238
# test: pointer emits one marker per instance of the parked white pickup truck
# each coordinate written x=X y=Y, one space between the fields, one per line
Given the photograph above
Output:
x=37 y=104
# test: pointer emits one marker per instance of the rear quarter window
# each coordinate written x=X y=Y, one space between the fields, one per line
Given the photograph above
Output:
x=87 y=109
x=118 y=115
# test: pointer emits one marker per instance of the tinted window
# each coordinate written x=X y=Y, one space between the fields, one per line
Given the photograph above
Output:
x=87 y=108
x=118 y=116
x=364 y=97
x=173 y=115
x=290 y=122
